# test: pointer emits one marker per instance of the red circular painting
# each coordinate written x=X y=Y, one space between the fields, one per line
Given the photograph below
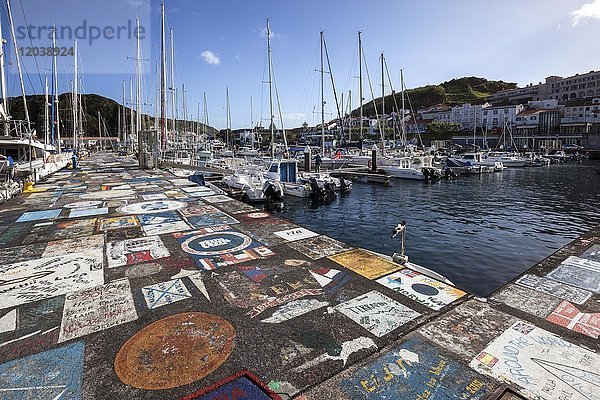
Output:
x=175 y=351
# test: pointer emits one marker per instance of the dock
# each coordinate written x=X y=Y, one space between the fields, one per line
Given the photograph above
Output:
x=121 y=283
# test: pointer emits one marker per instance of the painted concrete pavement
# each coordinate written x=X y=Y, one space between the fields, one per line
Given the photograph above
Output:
x=122 y=283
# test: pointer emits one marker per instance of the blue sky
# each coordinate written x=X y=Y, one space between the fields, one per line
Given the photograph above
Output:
x=220 y=44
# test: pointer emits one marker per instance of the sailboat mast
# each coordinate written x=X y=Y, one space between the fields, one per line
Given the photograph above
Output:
x=131 y=119
x=163 y=80
x=156 y=97
x=383 y=120
x=138 y=85
x=252 y=123
x=272 y=116
x=3 y=81
x=75 y=98
x=124 y=114
x=55 y=103
x=228 y=128
x=19 y=69
x=322 y=100
x=349 y=115
x=360 y=83
x=100 y=131
x=46 y=126
x=172 y=88
x=184 y=108
x=205 y=123
x=402 y=127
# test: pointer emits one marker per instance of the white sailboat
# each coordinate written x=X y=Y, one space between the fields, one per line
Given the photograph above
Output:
x=31 y=159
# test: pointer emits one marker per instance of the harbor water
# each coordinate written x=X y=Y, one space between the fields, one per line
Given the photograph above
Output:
x=480 y=231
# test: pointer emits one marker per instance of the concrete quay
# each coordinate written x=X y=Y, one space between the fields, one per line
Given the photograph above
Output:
x=119 y=283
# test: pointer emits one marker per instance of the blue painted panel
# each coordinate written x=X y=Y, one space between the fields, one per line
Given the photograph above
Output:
x=240 y=388
x=159 y=218
x=38 y=215
x=55 y=373
x=398 y=375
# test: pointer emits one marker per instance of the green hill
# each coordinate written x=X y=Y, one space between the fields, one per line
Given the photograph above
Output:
x=454 y=92
x=91 y=104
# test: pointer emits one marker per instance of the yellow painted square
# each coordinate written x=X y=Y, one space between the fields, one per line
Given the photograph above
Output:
x=365 y=263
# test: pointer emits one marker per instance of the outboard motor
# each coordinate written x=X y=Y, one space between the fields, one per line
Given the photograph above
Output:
x=315 y=189
x=345 y=185
x=329 y=192
x=272 y=192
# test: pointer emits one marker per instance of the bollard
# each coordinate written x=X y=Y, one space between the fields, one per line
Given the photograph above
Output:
x=307 y=159
x=374 y=159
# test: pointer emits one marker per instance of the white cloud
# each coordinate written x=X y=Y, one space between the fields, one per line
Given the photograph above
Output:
x=210 y=58
x=586 y=12
x=263 y=33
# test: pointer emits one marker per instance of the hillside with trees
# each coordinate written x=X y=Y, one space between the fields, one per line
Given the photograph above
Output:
x=471 y=90
x=91 y=104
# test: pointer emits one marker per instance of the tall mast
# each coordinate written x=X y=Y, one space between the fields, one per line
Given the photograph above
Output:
x=46 y=125
x=360 y=83
x=75 y=99
x=156 y=97
x=198 y=120
x=252 y=123
x=124 y=112
x=349 y=115
x=172 y=88
x=402 y=127
x=322 y=100
x=55 y=110
x=205 y=123
x=184 y=109
x=19 y=69
x=163 y=80
x=3 y=81
x=131 y=119
x=272 y=116
x=228 y=116
x=138 y=85
x=100 y=130
x=383 y=121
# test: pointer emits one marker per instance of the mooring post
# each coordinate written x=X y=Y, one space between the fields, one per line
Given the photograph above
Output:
x=374 y=158
x=307 y=158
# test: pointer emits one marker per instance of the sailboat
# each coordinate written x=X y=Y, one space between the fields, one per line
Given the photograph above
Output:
x=31 y=159
x=322 y=182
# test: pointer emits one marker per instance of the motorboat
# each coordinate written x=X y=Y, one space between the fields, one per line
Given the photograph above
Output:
x=413 y=168
x=254 y=185
x=285 y=172
x=478 y=158
x=510 y=160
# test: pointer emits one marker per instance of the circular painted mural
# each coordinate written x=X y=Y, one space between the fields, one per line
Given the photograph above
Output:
x=215 y=244
x=175 y=351
x=152 y=207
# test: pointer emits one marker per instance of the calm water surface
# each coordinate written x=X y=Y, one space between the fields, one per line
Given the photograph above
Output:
x=479 y=231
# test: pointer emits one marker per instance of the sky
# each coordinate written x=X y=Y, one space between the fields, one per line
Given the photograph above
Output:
x=221 y=45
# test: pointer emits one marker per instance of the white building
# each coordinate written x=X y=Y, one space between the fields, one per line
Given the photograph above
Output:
x=578 y=86
x=497 y=116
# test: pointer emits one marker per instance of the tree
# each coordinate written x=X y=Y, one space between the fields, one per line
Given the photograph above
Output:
x=442 y=129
